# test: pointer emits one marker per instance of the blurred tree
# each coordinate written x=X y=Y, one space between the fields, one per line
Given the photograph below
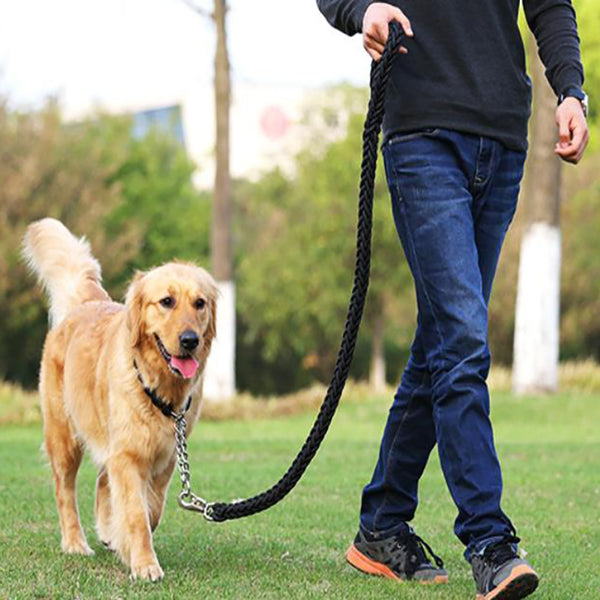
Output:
x=47 y=169
x=298 y=243
x=133 y=199
x=158 y=201
x=580 y=215
x=580 y=294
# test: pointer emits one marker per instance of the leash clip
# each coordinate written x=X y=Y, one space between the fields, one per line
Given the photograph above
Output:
x=196 y=504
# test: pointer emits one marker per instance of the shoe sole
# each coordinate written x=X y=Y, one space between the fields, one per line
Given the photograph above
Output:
x=363 y=563
x=521 y=582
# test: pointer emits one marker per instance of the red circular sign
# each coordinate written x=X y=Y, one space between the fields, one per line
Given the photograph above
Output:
x=274 y=122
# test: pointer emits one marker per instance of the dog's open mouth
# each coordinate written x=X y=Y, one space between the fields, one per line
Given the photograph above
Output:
x=184 y=366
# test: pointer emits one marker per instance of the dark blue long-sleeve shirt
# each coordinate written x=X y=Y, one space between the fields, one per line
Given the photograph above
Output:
x=465 y=69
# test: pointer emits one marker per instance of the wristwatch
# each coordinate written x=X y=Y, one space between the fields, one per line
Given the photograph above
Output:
x=576 y=92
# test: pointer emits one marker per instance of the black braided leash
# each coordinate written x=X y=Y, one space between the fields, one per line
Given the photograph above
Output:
x=220 y=511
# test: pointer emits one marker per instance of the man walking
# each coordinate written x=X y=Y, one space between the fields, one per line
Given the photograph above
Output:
x=455 y=139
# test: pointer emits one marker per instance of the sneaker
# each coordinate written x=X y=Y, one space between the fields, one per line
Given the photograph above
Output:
x=501 y=575
x=401 y=557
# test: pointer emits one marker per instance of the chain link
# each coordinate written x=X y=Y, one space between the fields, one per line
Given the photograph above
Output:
x=187 y=499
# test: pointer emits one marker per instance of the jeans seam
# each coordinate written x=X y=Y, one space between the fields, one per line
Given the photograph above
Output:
x=488 y=184
x=476 y=173
x=400 y=137
x=389 y=458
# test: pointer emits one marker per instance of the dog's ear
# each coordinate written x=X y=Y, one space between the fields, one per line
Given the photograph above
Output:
x=211 y=329
x=133 y=305
x=211 y=289
x=211 y=332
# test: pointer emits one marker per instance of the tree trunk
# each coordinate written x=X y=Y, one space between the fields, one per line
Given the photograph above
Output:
x=535 y=366
x=220 y=370
x=377 y=375
x=222 y=263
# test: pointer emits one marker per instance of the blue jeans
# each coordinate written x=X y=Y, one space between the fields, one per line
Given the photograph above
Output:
x=453 y=198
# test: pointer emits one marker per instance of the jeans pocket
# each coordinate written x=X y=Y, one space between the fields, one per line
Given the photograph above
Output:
x=406 y=136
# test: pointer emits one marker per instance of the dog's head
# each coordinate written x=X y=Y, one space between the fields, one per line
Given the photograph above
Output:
x=171 y=316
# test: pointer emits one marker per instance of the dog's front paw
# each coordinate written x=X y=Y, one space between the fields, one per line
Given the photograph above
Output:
x=76 y=546
x=149 y=572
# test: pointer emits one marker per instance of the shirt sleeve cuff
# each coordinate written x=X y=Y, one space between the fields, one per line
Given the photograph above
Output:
x=570 y=77
x=359 y=13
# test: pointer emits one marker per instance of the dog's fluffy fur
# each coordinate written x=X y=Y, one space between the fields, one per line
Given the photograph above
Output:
x=90 y=392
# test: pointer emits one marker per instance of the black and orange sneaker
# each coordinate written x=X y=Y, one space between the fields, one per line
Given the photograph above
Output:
x=400 y=557
x=501 y=575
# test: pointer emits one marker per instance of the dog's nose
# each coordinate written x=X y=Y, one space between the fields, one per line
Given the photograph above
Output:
x=189 y=340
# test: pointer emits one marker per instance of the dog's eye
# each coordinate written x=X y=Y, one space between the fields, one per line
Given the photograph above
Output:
x=200 y=303
x=167 y=302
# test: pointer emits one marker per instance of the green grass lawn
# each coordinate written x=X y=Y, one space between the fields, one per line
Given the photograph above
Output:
x=549 y=448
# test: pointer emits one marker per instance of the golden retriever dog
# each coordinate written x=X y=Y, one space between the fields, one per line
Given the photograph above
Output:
x=98 y=357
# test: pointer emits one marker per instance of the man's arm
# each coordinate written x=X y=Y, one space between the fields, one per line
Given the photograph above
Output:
x=555 y=28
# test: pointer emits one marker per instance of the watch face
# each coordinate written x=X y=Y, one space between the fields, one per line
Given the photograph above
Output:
x=586 y=104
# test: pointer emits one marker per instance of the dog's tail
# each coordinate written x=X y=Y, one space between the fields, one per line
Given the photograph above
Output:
x=64 y=265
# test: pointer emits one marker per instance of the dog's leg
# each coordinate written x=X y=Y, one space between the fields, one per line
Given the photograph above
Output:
x=157 y=492
x=64 y=453
x=102 y=508
x=130 y=525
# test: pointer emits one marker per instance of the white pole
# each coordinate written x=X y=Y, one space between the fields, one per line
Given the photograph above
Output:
x=219 y=378
x=536 y=342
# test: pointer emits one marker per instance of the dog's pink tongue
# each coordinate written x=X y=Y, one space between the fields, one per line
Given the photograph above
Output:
x=186 y=366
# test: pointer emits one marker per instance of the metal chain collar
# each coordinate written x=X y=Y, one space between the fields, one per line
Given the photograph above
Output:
x=187 y=499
